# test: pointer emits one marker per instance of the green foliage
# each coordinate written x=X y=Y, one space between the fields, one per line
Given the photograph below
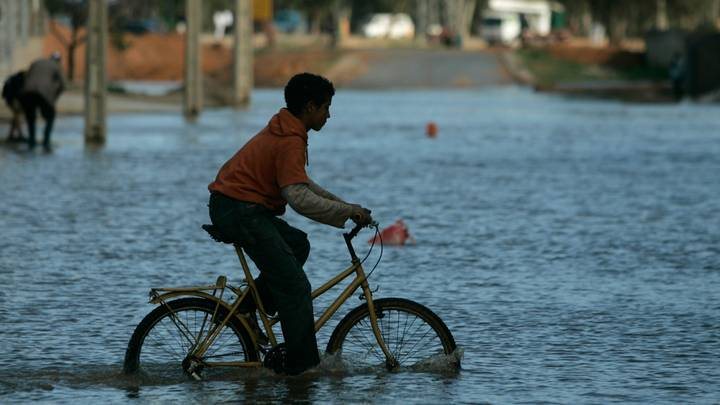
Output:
x=76 y=10
x=635 y=18
x=549 y=70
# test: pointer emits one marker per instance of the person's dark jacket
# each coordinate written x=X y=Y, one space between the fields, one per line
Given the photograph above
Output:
x=12 y=87
x=44 y=78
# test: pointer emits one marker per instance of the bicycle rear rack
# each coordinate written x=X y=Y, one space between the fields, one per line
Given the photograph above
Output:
x=220 y=285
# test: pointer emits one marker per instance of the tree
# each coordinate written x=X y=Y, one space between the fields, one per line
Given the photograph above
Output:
x=638 y=16
x=76 y=11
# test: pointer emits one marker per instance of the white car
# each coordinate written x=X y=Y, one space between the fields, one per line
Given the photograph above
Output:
x=500 y=28
x=387 y=25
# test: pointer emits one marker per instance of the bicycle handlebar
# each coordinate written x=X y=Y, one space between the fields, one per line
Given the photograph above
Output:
x=352 y=234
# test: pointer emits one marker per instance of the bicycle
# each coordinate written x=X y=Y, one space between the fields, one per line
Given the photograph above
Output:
x=199 y=331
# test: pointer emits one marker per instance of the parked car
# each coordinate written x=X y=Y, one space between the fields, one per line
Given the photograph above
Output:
x=140 y=27
x=501 y=28
x=387 y=25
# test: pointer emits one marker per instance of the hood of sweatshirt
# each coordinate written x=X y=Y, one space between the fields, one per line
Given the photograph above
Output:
x=284 y=123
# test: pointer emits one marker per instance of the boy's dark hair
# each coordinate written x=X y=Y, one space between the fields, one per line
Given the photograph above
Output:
x=305 y=87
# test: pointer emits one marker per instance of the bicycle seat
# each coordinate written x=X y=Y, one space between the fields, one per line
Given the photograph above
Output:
x=216 y=234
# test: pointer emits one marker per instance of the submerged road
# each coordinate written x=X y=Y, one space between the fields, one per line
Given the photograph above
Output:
x=568 y=244
x=423 y=68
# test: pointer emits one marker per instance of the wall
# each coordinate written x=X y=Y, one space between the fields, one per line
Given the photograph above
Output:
x=21 y=30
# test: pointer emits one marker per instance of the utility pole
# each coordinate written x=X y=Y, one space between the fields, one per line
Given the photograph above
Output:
x=192 y=101
x=95 y=76
x=242 y=53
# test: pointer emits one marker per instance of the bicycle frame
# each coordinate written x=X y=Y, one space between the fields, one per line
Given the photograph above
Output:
x=201 y=346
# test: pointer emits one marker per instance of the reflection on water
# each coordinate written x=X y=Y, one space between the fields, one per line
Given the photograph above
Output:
x=570 y=246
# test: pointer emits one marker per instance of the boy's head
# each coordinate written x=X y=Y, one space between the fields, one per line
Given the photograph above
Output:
x=308 y=97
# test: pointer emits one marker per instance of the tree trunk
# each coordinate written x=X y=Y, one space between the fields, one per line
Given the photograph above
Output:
x=467 y=17
x=616 y=23
x=661 y=16
x=315 y=22
x=71 y=55
x=71 y=62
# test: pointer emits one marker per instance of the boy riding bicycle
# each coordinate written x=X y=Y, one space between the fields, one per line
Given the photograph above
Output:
x=251 y=191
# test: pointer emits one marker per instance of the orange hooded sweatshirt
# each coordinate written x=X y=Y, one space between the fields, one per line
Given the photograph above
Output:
x=269 y=161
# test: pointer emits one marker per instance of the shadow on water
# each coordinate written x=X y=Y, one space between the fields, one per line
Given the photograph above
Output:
x=246 y=384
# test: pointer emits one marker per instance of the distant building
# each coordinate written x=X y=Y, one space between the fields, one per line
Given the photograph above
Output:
x=505 y=20
x=22 y=24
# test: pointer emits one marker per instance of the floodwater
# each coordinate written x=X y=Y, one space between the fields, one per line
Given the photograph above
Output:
x=571 y=246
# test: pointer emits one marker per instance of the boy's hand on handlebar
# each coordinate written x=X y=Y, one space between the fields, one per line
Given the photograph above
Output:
x=361 y=216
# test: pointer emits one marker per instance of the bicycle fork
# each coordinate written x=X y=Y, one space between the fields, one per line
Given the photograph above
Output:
x=390 y=362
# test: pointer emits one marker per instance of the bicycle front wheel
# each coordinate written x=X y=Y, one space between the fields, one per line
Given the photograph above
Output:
x=165 y=337
x=416 y=337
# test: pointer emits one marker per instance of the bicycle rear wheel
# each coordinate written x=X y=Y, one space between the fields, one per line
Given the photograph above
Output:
x=163 y=339
x=416 y=336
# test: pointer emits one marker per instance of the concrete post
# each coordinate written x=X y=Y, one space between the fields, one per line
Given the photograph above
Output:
x=7 y=37
x=23 y=22
x=242 y=53
x=95 y=76
x=192 y=102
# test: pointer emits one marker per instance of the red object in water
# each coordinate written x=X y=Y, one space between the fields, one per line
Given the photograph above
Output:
x=396 y=234
x=431 y=129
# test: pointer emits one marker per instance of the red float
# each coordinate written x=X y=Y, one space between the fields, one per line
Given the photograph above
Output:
x=431 y=129
x=396 y=234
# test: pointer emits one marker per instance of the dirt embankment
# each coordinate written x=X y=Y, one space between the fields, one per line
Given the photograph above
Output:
x=161 y=57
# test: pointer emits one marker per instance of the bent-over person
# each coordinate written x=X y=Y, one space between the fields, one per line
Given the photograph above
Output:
x=43 y=85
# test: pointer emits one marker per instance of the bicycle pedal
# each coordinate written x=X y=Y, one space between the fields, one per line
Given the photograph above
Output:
x=276 y=358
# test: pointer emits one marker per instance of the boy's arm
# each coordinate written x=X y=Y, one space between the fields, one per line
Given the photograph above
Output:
x=315 y=188
x=326 y=208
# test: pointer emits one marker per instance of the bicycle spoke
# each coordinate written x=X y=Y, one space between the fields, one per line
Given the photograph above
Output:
x=405 y=338
x=225 y=338
x=406 y=327
x=370 y=343
x=168 y=342
x=413 y=335
x=180 y=326
x=409 y=352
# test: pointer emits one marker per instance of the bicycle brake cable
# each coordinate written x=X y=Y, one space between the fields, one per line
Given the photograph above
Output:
x=378 y=235
x=372 y=245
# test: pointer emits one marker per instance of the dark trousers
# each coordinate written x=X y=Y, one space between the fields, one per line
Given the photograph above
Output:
x=16 y=133
x=31 y=102
x=279 y=251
